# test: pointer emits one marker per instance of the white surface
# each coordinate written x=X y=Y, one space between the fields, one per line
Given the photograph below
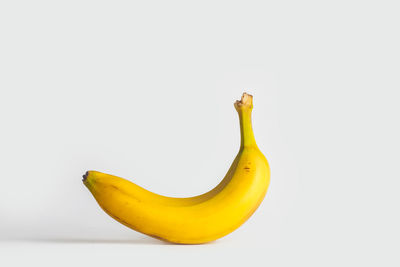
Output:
x=145 y=90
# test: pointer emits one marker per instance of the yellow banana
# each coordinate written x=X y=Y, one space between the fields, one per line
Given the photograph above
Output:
x=197 y=219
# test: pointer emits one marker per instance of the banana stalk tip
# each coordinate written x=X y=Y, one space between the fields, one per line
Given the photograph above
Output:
x=245 y=101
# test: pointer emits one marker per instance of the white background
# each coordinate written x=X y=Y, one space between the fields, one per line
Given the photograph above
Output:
x=145 y=90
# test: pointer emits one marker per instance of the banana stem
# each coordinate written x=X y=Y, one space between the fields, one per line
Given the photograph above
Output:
x=246 y=130
x=244 y=108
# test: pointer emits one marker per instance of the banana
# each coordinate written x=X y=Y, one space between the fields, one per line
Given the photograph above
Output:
x=192 y=220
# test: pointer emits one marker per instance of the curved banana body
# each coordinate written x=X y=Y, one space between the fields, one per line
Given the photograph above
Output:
x=197 y=219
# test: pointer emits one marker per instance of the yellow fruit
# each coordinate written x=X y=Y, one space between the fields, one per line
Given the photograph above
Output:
x=197 y=219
